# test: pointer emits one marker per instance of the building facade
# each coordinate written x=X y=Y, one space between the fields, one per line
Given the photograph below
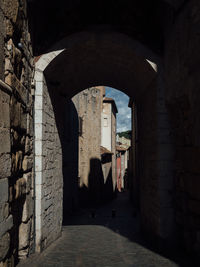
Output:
x=108 y=131
x=95 y=162
x=88 y=104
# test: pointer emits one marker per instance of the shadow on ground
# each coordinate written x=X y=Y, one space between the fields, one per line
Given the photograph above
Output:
x=119 y=216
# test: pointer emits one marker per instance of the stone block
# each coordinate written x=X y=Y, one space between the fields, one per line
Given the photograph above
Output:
x=27 y=208
x=4 y=110
x=39 y=88
x=4 y=140
x=4 y=246
x=10 y=9
x=18 y=160
x=20 y=188
x=3 y=190
x=24 y=234
x=9 y=30
x=29 y=125
x=38 y=163
x=28 y=179
x=15 y=138
x=39 y=116
x=15 y=113
x=23 y=123
x=39 y=102
x=28 y=145
x=6 y=225
x=4 y=211
x=12 y=80
x=22 y=254
x=48 y=202
x=13 y=163
x=38 y=148
x=11 y=193
x=8 y=65
x=27 y=163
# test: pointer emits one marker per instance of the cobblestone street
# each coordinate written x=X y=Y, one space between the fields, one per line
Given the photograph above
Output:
x=101 y=241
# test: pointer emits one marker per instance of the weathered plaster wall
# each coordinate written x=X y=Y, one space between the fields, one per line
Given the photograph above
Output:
x=182 y=61
x=16 y=130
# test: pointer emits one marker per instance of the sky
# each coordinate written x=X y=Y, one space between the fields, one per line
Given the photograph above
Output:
x=124 y=112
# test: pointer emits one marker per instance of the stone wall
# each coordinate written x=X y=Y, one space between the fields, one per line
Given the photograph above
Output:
x=16 y=158
x=182 y=61
x=49 y=133
x=156 y=165
x=6 y=218
x=148 y=157
x=88 y=104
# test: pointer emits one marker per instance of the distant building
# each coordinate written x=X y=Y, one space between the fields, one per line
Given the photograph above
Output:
x=88 y=104
x=122 y=149
x=123 y=141
x=96 y=144
x=122 y=156
x=108 y=131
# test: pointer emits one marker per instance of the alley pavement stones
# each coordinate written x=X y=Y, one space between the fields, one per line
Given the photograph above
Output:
x=102 y=240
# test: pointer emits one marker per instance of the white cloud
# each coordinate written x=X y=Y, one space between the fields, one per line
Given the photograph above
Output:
x=124 y=112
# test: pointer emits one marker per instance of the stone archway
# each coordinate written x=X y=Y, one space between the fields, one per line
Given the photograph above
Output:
x=78 y=62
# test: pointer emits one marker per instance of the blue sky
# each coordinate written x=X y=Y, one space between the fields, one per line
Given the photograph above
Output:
x=124 y=112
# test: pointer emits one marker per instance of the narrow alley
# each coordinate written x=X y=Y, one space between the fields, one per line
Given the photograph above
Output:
x=106 y=236
x=61 y=149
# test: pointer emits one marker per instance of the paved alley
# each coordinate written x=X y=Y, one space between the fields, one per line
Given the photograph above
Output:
x=108 y=236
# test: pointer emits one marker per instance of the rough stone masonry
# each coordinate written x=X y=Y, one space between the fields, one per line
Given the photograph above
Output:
x=174 y=192
x=16 y=134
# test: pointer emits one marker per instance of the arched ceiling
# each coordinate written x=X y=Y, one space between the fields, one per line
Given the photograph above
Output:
x=90 y=59
x=142 y=20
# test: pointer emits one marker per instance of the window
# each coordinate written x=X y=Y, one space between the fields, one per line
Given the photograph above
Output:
x=80 y=131
x=105 y=122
